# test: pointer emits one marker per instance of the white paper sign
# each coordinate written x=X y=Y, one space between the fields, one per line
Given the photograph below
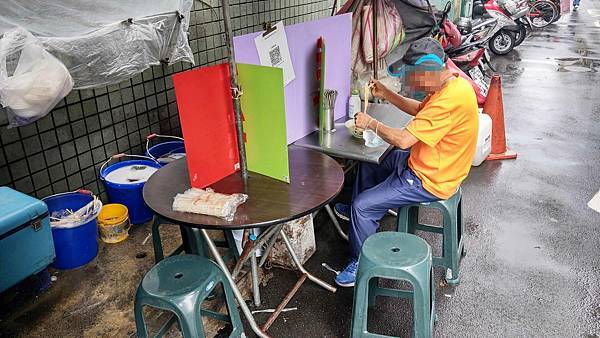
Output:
x=273 y=51
x=594 y=203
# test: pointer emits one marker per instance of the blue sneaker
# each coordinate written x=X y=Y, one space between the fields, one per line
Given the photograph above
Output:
x=347 y=277
x=342 y=211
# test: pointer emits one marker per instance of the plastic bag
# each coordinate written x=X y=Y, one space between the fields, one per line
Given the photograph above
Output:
x=104 y=42
x=32 y=81
x=452 y=35
x=390 y=31
x=208 y=202
x=67 y=219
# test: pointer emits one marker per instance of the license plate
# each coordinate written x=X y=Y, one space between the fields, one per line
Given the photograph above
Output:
x=479 y=79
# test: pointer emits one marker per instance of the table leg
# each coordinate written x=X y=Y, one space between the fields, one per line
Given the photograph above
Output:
x=238 y=295
x=296 y=287
x=336 y=224
x=255 y=286
x=262 y=238
x=296 y=260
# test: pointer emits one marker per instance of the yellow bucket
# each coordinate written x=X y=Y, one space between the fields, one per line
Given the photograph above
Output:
x=113 y=221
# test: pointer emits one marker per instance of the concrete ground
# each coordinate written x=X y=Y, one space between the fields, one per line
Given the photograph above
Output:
x=533 y=262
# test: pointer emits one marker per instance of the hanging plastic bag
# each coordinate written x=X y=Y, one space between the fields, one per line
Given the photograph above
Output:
x=32 y=81
x=390 y=31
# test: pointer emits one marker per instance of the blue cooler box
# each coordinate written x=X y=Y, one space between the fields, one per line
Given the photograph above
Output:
x=26 y=245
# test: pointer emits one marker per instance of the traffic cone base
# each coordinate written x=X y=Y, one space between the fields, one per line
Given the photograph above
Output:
x=507 y=155
x=494 y=107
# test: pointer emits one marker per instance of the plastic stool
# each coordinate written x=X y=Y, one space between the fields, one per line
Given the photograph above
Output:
x=398 y=256
x=452 y=230
x=191 y=239
x=180 y=284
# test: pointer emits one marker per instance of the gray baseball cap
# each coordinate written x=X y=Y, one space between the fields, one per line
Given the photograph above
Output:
x=425 y=53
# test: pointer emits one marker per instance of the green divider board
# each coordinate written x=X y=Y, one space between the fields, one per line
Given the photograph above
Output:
x=263 y=106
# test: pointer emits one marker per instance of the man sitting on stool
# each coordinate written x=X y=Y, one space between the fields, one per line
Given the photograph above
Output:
x=443 y=137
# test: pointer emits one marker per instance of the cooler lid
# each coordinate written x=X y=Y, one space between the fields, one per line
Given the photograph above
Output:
x=16 y=209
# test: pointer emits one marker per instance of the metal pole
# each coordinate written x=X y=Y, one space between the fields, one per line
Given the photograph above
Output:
x=335 y=222
x=299 y=265
x=235 y=90
x=375 y=58
x=236 y=292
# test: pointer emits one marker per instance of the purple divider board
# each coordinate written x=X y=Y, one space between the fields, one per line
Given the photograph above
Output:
x=301 y=114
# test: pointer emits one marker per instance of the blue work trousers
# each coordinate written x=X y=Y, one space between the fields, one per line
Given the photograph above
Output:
x=379 y=188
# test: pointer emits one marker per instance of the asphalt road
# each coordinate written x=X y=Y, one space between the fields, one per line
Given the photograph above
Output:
x=533 y=264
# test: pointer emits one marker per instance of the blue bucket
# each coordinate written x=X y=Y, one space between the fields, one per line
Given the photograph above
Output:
x=74 y=246
x=165 y=148
x=129 y=194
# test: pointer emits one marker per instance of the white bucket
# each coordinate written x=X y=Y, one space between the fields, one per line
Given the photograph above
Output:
x=484 y=139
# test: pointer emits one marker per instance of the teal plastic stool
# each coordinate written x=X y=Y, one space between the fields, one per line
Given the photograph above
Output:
x=398 y=256
x=180 y=284
x=452 y=230
x=193 y=242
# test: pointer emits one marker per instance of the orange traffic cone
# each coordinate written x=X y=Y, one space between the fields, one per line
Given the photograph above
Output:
x=494 y=107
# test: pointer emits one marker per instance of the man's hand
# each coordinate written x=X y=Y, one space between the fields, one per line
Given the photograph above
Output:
x=378 y=89
x=364 y=121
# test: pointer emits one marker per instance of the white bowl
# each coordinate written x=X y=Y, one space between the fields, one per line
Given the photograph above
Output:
x=352 y=129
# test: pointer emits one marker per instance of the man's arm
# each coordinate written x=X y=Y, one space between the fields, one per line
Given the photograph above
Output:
x=400 y=138
x=405 y=104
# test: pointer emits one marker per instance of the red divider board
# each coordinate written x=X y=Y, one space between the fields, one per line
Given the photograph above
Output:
x=208 y=124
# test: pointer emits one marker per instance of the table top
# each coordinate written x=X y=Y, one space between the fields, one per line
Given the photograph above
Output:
x=315 y=180
x=342 y=144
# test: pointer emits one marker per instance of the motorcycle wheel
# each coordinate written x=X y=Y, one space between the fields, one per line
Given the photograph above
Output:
x=502 y=42
x=520 y=35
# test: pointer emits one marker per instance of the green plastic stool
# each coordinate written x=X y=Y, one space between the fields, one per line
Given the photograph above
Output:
x=398 y=256
x=180 y=284
x=452 y=230
x=193 y=242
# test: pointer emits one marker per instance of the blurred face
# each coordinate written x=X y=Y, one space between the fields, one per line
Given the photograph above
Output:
x=425 y=80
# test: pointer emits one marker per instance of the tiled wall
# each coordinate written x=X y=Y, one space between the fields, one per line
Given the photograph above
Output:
x=64 y=150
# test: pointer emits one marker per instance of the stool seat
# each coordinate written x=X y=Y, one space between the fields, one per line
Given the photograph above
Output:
x=397 y=256
x=180 y=284
x=178 y=275
x=390 y=249
x=452 y=231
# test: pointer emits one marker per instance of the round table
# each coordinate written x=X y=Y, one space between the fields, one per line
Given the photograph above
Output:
x=315 y=179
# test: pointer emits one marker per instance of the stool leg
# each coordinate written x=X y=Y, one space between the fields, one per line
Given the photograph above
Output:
x=403 y=219
x=193 y=242
x=232 y=310
x=156 y=242
x=372 y=295
x=413 y=219
x=231 y=244
x=422 y=309
x=140 y=323
x=461 y=229
x=450 y=246
x=360 y=307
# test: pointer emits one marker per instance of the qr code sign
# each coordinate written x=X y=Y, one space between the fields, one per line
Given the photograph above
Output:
x=275 y=55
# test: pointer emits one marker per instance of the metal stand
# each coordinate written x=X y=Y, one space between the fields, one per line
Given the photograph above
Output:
x=335 y=222
x=235 y=90
x=249 y=253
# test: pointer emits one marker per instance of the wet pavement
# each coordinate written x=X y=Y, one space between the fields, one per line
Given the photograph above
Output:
x=533 y=262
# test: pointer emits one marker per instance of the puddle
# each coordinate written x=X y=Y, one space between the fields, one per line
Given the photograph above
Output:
x=578 y=64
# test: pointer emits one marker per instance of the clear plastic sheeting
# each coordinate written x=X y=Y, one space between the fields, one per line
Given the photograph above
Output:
x=104 y=42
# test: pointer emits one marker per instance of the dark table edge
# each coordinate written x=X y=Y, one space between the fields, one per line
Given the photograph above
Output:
x=341 y=120
x=254 y=225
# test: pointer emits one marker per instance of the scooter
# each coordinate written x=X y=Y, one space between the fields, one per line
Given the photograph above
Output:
x=512 y=16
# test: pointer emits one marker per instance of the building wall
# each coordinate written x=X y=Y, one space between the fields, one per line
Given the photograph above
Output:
x=64 y=150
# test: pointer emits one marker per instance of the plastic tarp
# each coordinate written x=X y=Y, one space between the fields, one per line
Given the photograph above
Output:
x=103 y=42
